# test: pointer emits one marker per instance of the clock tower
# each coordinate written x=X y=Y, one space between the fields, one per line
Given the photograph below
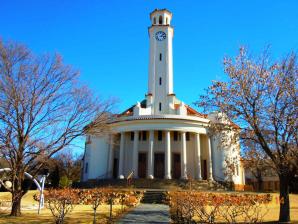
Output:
x=160 y=95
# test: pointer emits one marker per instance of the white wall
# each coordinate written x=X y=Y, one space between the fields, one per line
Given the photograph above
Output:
x=96 y=155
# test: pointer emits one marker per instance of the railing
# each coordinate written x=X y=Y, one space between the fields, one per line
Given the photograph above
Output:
x=129 y=178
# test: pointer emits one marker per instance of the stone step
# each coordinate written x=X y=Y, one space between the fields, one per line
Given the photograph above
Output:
x=153 y=197
x=160 y=184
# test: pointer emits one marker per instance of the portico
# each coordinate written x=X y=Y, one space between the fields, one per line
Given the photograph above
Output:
x=162 y=154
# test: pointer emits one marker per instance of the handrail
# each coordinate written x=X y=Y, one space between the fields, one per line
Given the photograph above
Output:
x=130 y=175
x=129 y=178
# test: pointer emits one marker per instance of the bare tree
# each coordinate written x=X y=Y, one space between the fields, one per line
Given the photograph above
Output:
x=256 y=161
x=69 y=165
x=42 y=110
x=262 y=97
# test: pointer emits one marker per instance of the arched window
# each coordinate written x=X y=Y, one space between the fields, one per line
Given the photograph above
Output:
x=159 y=106
x=160 y=81
x=160 y=56
x=154 y=20
x=160 y=19
x=166 y=20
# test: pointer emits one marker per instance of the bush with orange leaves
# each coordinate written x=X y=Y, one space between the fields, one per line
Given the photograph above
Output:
x=62 y=201
x=98 y=196
x=198 y=207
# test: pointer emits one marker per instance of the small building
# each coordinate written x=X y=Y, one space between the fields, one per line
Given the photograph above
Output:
x=268 y=179
x=161 y=136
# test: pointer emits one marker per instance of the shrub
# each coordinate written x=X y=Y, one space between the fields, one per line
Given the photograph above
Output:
x=61 y=202
x=192 y=207
x=64 y=182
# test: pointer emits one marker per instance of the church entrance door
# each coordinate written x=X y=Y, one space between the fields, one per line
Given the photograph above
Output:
x=142 y=165
x=176 y=166
x=115 y=168
x=159 y=165
x=204 y=169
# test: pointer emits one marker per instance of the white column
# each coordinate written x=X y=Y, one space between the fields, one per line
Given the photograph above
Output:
x=111 y=157
x=121 y=155
x=198 y=156
x=135 y=155
x=183 y=156
x=150 y=174
x=168 y=156
x=210 y=158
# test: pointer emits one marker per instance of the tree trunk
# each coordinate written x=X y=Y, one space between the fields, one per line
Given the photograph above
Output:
x=16 y=195
x=94 y=216
x=260 y=185
x=260 y=180
x=16 y=203
x=284 y=211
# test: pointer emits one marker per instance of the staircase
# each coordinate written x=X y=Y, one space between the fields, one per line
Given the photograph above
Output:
x=154 y=196
x=158 y=184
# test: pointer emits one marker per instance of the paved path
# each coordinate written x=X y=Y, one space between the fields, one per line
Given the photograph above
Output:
x=147 y=213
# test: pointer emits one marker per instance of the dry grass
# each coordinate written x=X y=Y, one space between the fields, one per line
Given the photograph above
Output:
x=273 y=207
x=80 y=214
x=84 y=213
x=271 y=210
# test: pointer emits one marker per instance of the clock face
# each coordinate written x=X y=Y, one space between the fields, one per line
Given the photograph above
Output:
x=160 y=35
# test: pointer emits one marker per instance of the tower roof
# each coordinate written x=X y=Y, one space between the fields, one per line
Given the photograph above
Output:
x=159 y=11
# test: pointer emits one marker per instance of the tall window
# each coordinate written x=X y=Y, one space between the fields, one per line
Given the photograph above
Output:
x=187 y=136
x=175 y=136
x=159 y=106
x=160 y=19
x=167 y=20
x=86 y=168
x=159 y=135
x=132 y=136
x=144 y=135
x=160 y=56
x=160 y=81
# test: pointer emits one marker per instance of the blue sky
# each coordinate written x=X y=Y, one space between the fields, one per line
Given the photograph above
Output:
x=108 y=40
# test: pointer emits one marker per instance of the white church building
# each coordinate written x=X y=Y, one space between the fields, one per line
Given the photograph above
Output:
x=160 y=137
